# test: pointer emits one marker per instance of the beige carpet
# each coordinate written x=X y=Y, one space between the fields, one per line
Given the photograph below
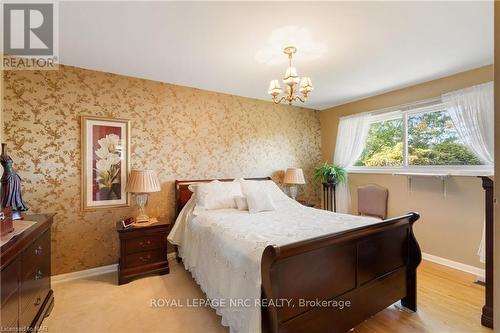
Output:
x=97 y=304
x=448 y=302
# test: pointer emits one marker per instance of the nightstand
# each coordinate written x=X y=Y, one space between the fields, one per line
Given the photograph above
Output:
x=143 y=250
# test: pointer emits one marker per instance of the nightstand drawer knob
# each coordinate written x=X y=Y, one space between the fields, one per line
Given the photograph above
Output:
x=145 y=258
x=144 y=244
x=38 y=250
x=38 y=275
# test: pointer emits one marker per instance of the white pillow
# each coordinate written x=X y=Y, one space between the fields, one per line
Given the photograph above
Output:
x=261 y=186
x=217 y=195
x=259 y=202
x=193 y=187
x=241 y=202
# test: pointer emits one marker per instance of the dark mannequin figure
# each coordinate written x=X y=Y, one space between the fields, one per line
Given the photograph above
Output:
x=10 y=195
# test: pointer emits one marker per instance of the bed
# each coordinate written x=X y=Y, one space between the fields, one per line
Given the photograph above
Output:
x=295 y=269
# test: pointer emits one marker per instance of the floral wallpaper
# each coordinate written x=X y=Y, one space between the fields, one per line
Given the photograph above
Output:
x=181 y=132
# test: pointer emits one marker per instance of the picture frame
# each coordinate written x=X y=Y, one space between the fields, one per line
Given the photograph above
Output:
x=105 y=156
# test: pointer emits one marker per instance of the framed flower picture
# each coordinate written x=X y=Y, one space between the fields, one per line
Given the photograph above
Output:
x=105 y=162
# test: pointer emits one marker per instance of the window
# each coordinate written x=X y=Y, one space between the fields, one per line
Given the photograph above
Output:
x=433 y=140
x=384 y=145
x=416 y=137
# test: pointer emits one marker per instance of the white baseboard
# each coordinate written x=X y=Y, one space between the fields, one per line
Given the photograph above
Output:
x=84 y=274
x=479 y=272
x=90 y=272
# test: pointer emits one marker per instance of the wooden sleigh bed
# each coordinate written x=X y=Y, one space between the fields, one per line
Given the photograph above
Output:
x=371 y=267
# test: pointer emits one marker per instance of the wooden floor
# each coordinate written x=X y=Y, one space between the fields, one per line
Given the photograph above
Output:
x=448 y=301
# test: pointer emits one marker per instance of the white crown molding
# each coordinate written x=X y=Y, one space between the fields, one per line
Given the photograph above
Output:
x=90 y=272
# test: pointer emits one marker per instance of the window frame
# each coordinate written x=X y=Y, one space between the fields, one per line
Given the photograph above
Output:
x=406 y=169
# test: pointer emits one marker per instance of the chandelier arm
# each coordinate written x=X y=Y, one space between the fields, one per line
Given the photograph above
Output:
x=278 y=101
x=298 y=98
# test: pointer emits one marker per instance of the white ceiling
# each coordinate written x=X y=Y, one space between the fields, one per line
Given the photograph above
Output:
x=352 y=49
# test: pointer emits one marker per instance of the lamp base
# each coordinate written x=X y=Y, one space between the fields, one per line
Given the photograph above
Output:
x=141 y=199
x=293 y=192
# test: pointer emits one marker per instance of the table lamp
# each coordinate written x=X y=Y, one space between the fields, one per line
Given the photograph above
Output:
x=294 y=177
x=141 y=183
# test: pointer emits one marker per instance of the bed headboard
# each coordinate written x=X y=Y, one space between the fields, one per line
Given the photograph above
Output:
x=183 y=194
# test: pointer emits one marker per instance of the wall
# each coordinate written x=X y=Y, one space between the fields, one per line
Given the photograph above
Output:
x=181 y=132
x=451 y=226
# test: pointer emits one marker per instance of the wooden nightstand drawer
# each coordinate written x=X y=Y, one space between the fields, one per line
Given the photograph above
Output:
x=144 y=258
x=143 y=250
x=140 y=244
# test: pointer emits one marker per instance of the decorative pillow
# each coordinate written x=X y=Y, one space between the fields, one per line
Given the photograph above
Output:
x=241 y=202
x=217 y=195
x=261 y=186
x=259 y=202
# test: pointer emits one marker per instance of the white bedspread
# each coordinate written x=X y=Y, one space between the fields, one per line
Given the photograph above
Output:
x=223 y=249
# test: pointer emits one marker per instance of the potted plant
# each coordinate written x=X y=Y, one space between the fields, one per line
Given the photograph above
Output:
x=331 y=174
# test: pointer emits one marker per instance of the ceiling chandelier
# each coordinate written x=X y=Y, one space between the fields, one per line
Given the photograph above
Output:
x=291 y=80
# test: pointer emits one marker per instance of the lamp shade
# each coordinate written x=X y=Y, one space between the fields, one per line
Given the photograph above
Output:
x=294 y=176
x=274 y=88
x=142 y=181
x=291 y=76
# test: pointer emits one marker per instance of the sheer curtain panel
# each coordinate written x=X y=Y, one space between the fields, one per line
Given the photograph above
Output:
x=351 y=140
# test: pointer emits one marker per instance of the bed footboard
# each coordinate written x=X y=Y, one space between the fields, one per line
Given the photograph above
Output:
x=334 y=282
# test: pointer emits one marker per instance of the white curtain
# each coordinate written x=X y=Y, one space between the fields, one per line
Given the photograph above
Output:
x=472 y=112
x=351 y=140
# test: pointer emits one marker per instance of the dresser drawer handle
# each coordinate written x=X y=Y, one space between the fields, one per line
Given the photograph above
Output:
x=145 y=259
x=38 y=275
x=38 y=301
x=144 y=244
x=38 y=250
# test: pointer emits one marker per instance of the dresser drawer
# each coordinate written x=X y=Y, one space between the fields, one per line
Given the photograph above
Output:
x=35 y=256
x=9 y=286
x=9 y=320
x=33 y=293
x=9 y=281
x=146 y=257
x=26 y=297
x=144 y=243
x=31 y=308
x=35 y=275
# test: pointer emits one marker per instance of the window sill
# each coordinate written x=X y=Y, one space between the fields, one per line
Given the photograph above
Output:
x=434 y=171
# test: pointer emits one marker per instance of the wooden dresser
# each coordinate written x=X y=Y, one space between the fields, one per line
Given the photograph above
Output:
x=143 y=250
x=26 y=294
